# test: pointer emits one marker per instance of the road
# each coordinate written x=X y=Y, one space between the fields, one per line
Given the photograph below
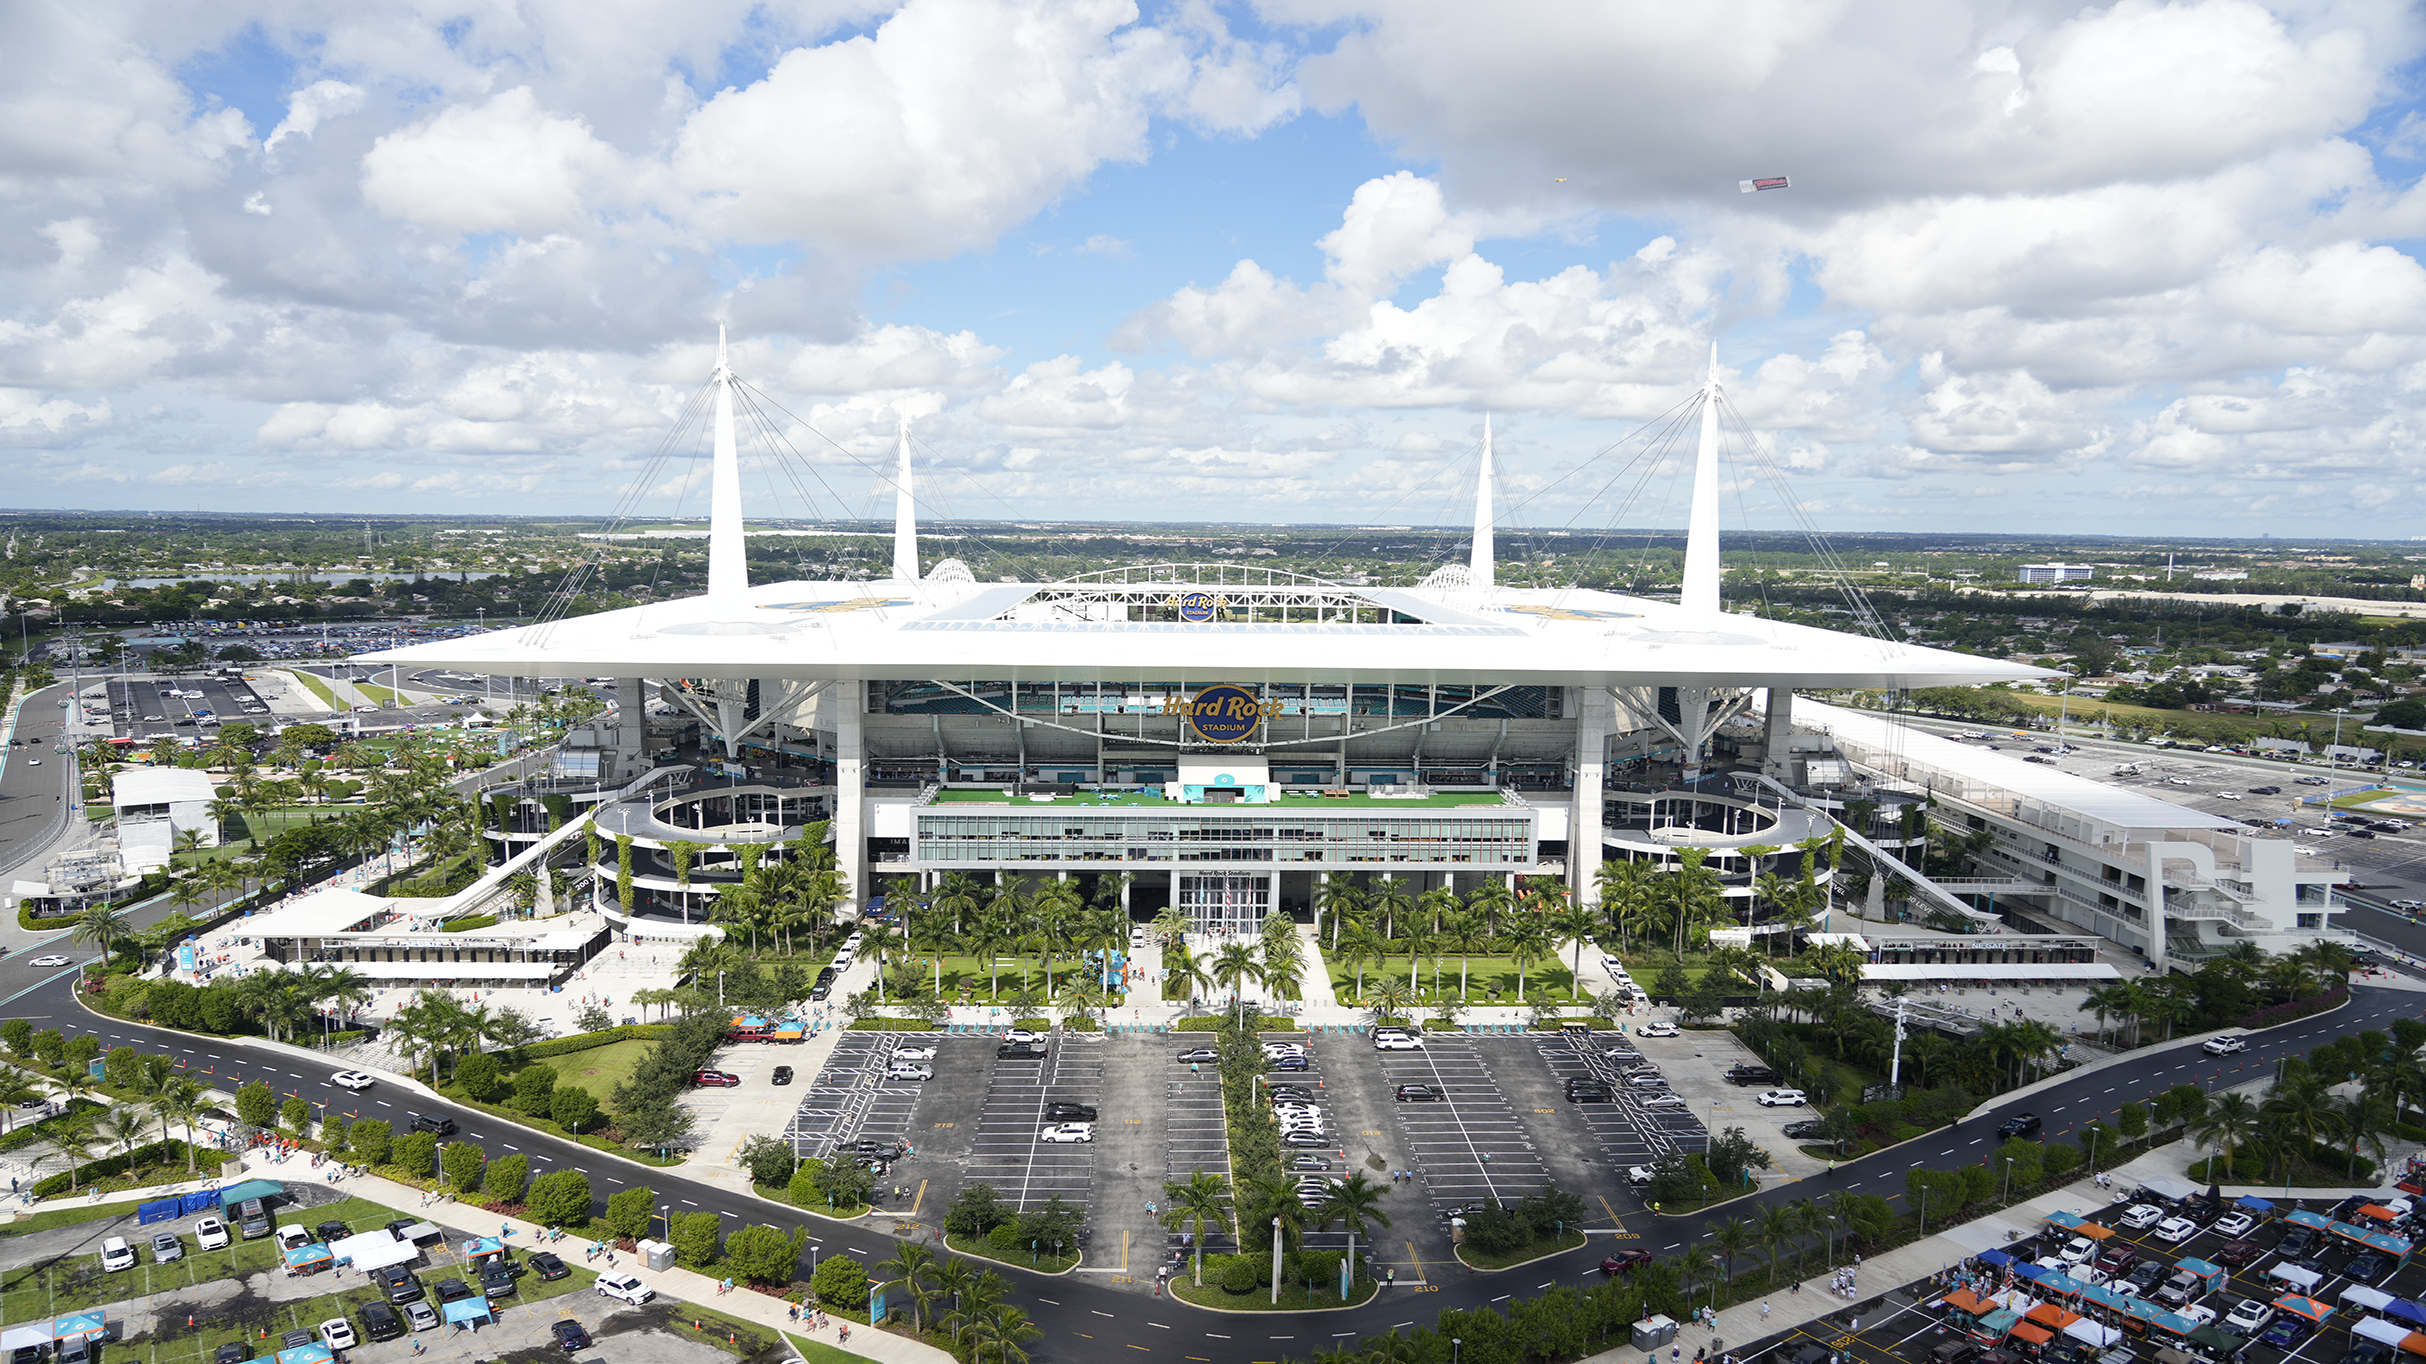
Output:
x=33 y=782
x=1083 y=1319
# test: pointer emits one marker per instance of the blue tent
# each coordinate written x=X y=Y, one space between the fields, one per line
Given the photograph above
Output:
x=79 y=1325
x=1995 y=1259
x=159 y=1210
x=252 y=1188
x=469 y=1309
x=2030 y=1271
x=205 y=1200
x=2253 y=1203
x=314 y=1353
x=2401 y=1309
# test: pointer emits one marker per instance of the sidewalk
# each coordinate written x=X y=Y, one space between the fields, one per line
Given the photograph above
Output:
x=684 y=1284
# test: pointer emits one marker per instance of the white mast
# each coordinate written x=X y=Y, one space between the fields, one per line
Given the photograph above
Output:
x=1701 y=534
x=728 y=566
x=1478 y=565
x=905 y=514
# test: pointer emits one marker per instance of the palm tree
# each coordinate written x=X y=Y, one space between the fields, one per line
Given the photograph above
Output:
x=1489 y=901
x=180 y=1101
x=880 y=939
x=1528 y=942
x=994 y=1334
x=1352 y=1202
x=1696 y=1267
x=1463 y=934
x=1360 y=945
x=1777 y=1227
x=1184 y=967
x=1693 y=895
x=1576 y=924
x=1233 y=966
x=1391 y=900
x=341 y=987
x=1732 y=1238
x=101 y=925
x=74 y=1139
x=1391 y=1000
x=1204 y=1198
x=2366 y=1121
x=15 y=1088
x=2306 y=1107
x=1337 y=899
x=121 y=1129
x=956 y=1279
x=909 y=1267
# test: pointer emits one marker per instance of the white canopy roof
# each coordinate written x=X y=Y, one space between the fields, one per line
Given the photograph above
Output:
x=1556 y=637
x=1976 y=970
x=373 y=1250
x=160 y=786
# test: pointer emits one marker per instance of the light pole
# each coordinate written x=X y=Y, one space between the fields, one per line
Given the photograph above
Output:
x=2008 y=1178
x=1455 y=1344
x=1276 y=1262
x=1924 y=1211
x=2095 y=1132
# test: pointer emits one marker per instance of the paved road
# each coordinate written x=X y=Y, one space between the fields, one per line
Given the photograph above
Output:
x=1083 y=1319
x=30 y=795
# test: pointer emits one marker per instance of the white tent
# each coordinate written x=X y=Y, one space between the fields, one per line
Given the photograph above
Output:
x=2302 y=1279
x=2391 y=1333
x=2372 y=1299
x=17 y=1338
x=2092 y=1333
x=373 y=1250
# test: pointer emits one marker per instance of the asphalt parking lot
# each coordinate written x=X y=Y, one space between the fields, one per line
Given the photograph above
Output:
x=135 y=702
x=1905 y=1324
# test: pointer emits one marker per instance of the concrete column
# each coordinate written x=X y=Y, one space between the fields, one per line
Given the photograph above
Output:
x=1780 y=726
x=850 y=787
x=631 y=727
x=2156 y=903
x=1595 y=713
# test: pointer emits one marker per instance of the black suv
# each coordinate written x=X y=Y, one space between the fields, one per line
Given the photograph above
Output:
x=433 y=1122
x=1069 y=1113
x=331 y=1230
x=234 y=1352
x=1417 y=1093
x=380 y=1322
x=1752 y=1075
x=400 y=1284
x=2020 y=1125
x=2296 y=1242
x=498 y=1281
x=1020 y=1051
x=1588 y=1092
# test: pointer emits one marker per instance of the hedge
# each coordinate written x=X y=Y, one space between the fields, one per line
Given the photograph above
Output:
x=875 y=1024
x=2296 y=1009
x=1214 y=1023
x=27 y=920
x=171 y=1150
x=562 y=1046
x=466 y=925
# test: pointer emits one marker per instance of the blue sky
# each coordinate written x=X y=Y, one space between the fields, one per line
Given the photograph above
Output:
x=2134 y=266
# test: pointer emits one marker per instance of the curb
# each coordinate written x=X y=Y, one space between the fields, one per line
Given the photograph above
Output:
x=1458 y=1253
x=1378 y=1290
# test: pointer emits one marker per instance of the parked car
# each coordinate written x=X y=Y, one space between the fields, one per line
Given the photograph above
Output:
x=1425 y=1093
x=398 y=1283
x=331 y=1230
x=569 y=1336
x=2175 y=1230
x=116 y=1254
x=548 y=1267
x=1397 y=1044
x=497 y=1281
x=913 y=1053
x=2236 y=1253
x=436 y=1123
x=1020 y=1051
x=1022 y=1035
x=1588 y=1093
x=909 y=1072
x=2248 y=1317
x=2295 y=1242
x=2080 y=1250
x=166 y=1247
x=1292 y=1063
x=2367 y=1267
x=379 y=1320
x=2288 y=1330
x=1656 y=1030
x=1196 y=1054
x=2141 y=1216
x=1065 y=1112
x=1802 y=1127
x=782 y=1075
x=454 y=1290
x=417 y=1315
x=338 y=1334
x=1067 y=1133
x=716 y=1079
x=1789 y=1098
x=1752 y=1075
x=625 y=1287
x=211 y=1233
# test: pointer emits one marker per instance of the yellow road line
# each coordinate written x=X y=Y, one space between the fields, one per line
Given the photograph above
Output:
x=921 y=1198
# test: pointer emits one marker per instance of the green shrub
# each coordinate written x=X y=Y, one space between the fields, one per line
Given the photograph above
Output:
x=416 y=1153
x=372 y=1138
x=694 y=1237
x=506 y=1175
x=257 y=1105
x=1237 y=1274
x=479 y=1073
x=841 y=1282
x=1005 y=1241
x=532 y=1088
x=468 y=923
x=464 y=1164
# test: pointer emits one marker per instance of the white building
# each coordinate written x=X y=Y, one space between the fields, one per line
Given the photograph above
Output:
x=2083 y=853
x=154 y=805
x=2057 y=573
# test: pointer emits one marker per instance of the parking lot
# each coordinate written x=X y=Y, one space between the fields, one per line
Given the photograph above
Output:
x=1009 y=1151
x=141 y=708
x=1905 y=1323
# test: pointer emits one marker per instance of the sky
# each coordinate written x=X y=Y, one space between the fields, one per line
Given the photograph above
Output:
x=2117 y=268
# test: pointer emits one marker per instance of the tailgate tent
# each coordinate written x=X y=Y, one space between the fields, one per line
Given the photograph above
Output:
x=2300 y=1306
x=2360 y=1296
x=2089 y=1332
x=2402 y=1309
x=206 y=1200
x=473 y=1310
x=79 y=1326
x=2383 y=1332
x=159 y=1210
x=309 y=1258
x=373 y=1250
x=2036 y=1335
x=252 y=1188
x=17 y=1338
x=314 y=1353
x=2302 y=1279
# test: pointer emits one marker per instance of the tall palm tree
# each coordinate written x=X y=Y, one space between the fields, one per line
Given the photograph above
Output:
x=1731 y=1238
x=1576 y=924
x=1361 y=944
x=1528 y=942
x=1203 y=1199
x=2365 y=1121
x=342 y=988
x=1490 y=901
x=102 y=925
x=910 y=1267
x=1696 y=1266
x=2306 y=1106
x=957 y=1279
x=1353 y=1203
x=122 y=1128
x=1337 y=899
x=1777 y=1227
x=880 y=938
x=1463 y=934
x=180 y=1101
x=1393 y=902
x=1183 y=967
x=1233 y=966
x=994 y=1334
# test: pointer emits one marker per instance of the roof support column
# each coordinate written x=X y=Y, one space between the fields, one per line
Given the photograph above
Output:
x=1594 y=713
x=850 y=788
x=1776 y=765
x=2156 y=903
x=631 y=727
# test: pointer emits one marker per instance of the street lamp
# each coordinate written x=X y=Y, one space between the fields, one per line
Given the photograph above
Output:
x=2008 y=1178
x=1276 y=1262
x=1455 y=1342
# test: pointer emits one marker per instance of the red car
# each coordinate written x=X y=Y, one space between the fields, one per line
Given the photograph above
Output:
x=1624 y=1261
x=721 y=1079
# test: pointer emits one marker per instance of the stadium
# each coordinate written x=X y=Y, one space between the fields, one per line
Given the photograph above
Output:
x=1224 y=739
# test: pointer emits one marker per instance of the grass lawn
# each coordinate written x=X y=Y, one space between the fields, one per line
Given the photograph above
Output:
x=818 y=1352
x=1543 y=979
x=316 y=685
x=1518 y=1256
x=75 y=1284
x=980 y=1248
x=598 y=1069
x=1293 y=1296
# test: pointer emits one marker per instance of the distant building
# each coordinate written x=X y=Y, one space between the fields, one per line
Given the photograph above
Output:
x=2221 y=575
x=2058 y=573
x=154 y=805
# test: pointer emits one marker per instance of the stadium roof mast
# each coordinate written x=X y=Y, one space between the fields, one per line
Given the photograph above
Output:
x=1478 y=562
x=1701 y=534
x=728 y=562
x=905 y=514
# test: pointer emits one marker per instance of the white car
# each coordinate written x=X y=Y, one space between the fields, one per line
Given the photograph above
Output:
x=353 y=1079
x=2142 y=1216
x=2080 y=1250
x=2204 y=1316
x=1397 y=1044
x=913 y=1053
x=337 y=1333
x=53 y=960
x=2223 y=1046
x=626 y=1287
x=1279 y=1049
x=899 y=1072
x=2176 y=1229
x=211 y=1232
x=1023 y=1035
x=1066 y=1133
x=2248 y=1316
x=2234 y=1224
x=1789 y=1098
x=116 y=1254
x=1638 y=1175
x=1665 y=1101
x=1657 y=1030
